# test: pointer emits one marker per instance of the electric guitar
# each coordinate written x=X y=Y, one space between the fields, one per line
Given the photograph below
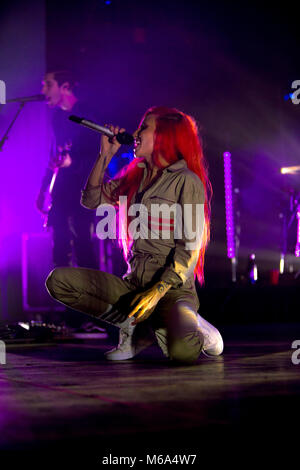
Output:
x=61 y=160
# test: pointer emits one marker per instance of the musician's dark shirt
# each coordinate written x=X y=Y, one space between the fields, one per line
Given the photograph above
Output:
x=85 y=146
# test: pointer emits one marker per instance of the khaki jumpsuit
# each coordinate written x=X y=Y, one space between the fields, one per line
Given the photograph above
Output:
x=152 y=258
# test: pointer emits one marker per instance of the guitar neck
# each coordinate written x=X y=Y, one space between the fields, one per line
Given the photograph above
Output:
x=52 y=182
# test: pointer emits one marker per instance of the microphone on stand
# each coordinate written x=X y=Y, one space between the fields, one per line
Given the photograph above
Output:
x=122 y=137
x=21 y=101
x=26 y=99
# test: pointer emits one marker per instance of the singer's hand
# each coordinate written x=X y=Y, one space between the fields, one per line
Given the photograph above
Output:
x=110 y=146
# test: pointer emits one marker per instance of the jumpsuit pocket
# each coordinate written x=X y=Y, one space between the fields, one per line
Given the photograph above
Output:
x=163 y=214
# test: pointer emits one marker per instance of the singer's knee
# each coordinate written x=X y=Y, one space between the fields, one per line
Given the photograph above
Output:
x=51 y=282
x=54 y=280
x=65 y=282
x=186 y=349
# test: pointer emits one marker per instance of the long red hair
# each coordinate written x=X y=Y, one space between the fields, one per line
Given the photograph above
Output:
x=176 y=137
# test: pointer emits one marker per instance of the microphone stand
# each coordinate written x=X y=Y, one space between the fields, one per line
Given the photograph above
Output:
x=5 y=137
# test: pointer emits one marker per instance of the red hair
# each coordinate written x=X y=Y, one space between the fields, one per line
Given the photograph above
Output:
x=176 y=137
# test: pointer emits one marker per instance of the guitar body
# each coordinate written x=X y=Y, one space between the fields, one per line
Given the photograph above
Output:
x=44 y=201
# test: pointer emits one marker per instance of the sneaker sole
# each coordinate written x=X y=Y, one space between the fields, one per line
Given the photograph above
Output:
x=90 y=335
x=110 y=356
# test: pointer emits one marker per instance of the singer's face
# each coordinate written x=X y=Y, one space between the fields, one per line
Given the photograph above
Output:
x=144 y=138
x=51 y=90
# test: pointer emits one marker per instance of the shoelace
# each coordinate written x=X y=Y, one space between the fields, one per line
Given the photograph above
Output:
x=123 y=338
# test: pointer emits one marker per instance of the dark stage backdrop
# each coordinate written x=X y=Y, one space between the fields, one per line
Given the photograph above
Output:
x=230 y=66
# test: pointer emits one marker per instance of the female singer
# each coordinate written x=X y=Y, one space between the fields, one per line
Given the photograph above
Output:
x=167 y=185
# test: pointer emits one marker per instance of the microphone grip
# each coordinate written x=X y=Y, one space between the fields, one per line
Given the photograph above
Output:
x=122 y=137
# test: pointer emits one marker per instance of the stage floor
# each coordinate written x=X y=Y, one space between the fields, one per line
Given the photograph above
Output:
x=63 y=401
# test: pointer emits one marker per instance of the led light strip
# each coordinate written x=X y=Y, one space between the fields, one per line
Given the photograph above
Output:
x=297 y=249
x=230 y=232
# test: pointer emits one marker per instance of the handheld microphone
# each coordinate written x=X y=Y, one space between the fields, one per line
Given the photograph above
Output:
x=25 y=99
x=122 y=137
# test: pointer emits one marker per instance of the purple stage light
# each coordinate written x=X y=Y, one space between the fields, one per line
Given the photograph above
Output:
x=230 y=231
x=297 y=249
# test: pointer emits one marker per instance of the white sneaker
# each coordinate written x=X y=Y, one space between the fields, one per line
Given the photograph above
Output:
x=213 y=342
x=129 y=346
